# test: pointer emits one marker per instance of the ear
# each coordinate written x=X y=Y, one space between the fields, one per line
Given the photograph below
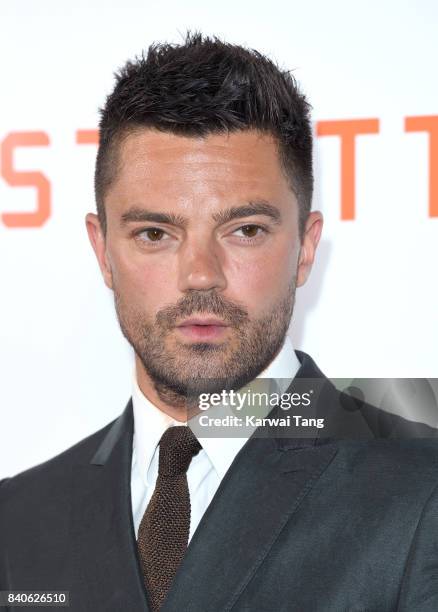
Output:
x=312 y=234
x=97 y=239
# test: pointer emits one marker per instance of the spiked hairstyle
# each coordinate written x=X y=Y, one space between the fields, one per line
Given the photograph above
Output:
x=207 y=86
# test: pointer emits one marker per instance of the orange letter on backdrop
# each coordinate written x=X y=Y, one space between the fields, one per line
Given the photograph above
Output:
x=87 y=137
x=347 y=130
x=428 y=123
x=18 y=178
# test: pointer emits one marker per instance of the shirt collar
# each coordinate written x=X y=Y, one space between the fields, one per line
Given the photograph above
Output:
x=150 y=423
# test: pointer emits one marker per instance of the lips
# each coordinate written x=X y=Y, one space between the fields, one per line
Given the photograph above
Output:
x=203 y=322
x=203 y=329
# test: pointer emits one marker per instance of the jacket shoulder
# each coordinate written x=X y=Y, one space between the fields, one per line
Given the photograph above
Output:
x=56 y=468
x=398 y=464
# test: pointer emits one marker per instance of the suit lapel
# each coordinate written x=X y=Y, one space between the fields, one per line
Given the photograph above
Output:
x=258 y=496
x=260 y=493
x=103 y=540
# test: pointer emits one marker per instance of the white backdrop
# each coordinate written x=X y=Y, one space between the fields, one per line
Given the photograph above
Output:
x=370 y=307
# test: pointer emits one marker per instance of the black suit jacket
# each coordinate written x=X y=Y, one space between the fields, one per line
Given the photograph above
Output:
x=297 y=525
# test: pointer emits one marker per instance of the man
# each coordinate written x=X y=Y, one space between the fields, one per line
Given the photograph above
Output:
x=203 y=232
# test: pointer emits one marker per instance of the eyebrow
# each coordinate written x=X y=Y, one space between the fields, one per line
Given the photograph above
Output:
x=141 y=215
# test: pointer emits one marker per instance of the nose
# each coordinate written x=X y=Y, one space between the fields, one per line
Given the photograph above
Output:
x=200 y=266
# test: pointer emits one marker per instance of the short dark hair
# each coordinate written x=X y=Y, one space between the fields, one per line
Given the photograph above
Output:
x=207 y=86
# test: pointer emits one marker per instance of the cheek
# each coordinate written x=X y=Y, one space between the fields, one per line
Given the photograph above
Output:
x=145 y=284
x=260 y=280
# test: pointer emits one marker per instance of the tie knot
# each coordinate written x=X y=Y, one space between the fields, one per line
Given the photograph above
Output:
x=178 y=445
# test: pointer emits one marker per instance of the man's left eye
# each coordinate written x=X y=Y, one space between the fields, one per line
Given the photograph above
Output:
x=250 y=230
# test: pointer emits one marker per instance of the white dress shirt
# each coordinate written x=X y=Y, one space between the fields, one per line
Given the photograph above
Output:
x=209 y=466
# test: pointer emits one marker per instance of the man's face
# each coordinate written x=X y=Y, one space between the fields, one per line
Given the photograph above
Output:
x=203 y=254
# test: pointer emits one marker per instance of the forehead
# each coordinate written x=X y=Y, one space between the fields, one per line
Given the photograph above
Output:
x=218 y=167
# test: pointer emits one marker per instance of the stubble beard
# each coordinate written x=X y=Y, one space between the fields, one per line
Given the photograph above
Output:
x=181 y=371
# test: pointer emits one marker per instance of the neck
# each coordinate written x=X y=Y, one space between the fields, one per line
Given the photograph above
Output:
x=176 y=406
x=169 y=403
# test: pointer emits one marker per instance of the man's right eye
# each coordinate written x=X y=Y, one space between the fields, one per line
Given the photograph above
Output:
x=151 y=234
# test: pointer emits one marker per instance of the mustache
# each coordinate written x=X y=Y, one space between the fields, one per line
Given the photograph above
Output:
x=202 y=302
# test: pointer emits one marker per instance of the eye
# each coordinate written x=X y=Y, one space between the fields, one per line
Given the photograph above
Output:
x=151 y=234
x=251 y=231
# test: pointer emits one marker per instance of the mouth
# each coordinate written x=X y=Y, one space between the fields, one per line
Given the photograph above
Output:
x=202 y=328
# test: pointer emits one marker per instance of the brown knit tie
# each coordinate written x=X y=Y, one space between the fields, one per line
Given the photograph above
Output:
x=164 y=529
